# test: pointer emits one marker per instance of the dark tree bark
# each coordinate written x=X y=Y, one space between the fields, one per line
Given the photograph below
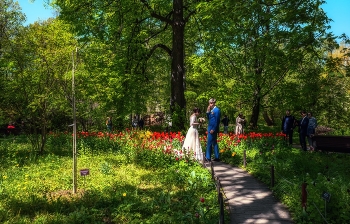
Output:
x=267 y=118
x=255 y=111
x=257 y=96
x=177 y=99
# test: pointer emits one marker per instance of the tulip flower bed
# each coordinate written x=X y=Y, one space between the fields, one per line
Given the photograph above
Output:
x=325 y=174
x=134 y=177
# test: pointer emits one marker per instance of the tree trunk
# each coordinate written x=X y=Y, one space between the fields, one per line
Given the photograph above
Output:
x=267 y=118
x=255 y=111
x=177 y=99
x=272 y=116
x=43 y=138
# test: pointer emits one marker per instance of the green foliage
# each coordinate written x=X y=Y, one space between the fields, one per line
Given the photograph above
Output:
x=35 y=90
x=320 y=171
x=256 y=49
x=132 y=181
x=178 y=118
x=251 y=56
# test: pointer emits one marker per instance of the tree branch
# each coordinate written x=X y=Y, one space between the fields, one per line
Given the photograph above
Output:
x=164 y=47
x=189 y=15
x=155 y=15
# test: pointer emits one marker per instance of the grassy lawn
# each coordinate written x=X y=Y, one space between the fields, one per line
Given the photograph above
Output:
x=143 y=177
x=131 y=180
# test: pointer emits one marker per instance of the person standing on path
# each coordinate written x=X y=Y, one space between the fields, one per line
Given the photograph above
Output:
x=287 y=126
x=109 y=124
x=213 y=115
x=239 y=124
x=134 y=123
x=225 y=123
x=303 y=124
x=192 y=144
x=311 y=129
x=141 y=123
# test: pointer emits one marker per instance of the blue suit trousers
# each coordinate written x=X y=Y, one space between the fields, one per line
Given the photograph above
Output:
x=212 y=141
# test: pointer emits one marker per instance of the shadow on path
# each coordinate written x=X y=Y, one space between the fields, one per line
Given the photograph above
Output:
x=249 y=200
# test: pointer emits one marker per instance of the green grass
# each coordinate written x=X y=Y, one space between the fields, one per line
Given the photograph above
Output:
x=322 y=172
x=134 y=180
x=126 y=184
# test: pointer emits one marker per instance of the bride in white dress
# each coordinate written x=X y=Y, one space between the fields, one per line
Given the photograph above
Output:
x=192 y=144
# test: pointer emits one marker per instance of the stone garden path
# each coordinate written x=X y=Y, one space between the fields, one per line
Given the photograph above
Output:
x=249 y=200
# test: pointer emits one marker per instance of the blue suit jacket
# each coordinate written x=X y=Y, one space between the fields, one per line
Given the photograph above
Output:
x=214 y=119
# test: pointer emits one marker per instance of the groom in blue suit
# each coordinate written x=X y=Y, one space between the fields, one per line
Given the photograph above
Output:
x=213 y=115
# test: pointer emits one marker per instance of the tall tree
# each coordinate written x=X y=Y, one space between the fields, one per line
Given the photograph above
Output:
x=262 y=42
x=136 y=30
x=37 y=65
x=11 y=20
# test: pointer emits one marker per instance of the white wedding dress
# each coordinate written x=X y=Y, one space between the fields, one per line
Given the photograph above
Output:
x=192 y=144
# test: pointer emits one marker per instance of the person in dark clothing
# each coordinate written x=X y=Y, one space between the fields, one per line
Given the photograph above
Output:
x=288 y=126
x=311 y=130
x=109 y=124
x=303 y=124
x=225 y=123
x=141 y=123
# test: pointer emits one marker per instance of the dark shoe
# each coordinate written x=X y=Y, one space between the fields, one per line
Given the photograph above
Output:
x=207 y=160
x=217 y=160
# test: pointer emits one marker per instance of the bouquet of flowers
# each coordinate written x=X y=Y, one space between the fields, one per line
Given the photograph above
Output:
x=201 y=120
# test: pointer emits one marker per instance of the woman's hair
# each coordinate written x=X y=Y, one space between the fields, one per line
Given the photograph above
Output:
x=196 y=110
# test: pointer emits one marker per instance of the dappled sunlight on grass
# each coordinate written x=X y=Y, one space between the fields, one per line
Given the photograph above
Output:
x=131 y=180
x=145 y=177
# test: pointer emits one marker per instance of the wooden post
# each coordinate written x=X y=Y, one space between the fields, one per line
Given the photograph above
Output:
x=212 y=170
x=244 y=159
x=222 y=213
x=203 y=159
x=74 y=129
x=303 y=196
x=218 y=188
x=272 y=176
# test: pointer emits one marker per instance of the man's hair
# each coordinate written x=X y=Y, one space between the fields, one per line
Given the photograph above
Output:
x=212 y=100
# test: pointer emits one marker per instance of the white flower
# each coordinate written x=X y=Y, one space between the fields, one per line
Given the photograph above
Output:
x=201 y=119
